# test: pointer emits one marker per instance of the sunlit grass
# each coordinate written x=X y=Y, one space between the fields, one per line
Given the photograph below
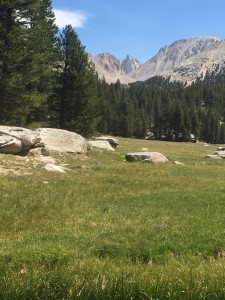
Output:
x=109 y=229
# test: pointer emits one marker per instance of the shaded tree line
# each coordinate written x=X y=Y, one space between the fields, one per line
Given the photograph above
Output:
x=172 y=113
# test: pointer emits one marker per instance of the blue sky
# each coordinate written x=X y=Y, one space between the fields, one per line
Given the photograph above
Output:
x=139 y=27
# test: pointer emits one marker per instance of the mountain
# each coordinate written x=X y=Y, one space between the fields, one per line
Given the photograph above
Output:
x=130 y=64
x=184 y=60
x=170 y=57
x=201 y=66
x=111 y=68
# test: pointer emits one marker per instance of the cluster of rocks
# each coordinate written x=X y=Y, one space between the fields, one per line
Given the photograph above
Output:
x=18 y=140
x=46 y=141
x=218 y=154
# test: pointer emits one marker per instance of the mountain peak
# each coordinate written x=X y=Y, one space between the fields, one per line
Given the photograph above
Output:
x=130 y=64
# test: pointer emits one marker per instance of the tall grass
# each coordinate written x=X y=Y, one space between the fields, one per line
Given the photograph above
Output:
x=109 y=229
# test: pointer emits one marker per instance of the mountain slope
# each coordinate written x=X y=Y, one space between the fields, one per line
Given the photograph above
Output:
x=170 y=57
x=111 y=68
x=208 y=62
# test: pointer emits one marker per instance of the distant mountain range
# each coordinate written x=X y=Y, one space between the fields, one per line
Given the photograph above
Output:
x=184 y=61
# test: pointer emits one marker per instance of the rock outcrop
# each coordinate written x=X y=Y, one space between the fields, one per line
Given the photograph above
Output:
x=130 y=64
x=27 y=137
x=154 y=157
x=16 y=140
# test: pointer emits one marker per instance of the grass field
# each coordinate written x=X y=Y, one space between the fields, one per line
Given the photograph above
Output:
x=109 y=229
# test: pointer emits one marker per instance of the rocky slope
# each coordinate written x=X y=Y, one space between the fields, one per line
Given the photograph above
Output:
x=211 y=61
x=112 y=69
x=183 y=60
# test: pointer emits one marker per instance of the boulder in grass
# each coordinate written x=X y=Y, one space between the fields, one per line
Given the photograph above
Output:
x=105 y=145
x=63 y=141
x=154 y=157
x=113 y=142
x=54 y=168
x=10 y=145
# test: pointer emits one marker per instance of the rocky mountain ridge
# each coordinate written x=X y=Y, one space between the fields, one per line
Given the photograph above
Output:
x=111 y=68
x=184 y=60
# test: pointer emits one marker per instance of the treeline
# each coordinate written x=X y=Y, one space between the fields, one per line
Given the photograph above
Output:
x=172 y=113
x=46 y=80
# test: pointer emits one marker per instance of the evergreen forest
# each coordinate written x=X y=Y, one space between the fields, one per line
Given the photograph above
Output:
x=47 y=80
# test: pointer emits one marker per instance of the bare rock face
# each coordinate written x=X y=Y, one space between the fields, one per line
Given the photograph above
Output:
x=210 y=61
x=63 y=141
x=130 y=64
x=154 y=157
x=111 y=68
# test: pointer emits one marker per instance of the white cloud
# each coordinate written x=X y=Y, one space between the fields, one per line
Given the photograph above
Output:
x=65 y=17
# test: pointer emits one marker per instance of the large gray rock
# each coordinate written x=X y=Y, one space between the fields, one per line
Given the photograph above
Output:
x=154 y=157
x=113 y=142
x=10 y=145
x=102 y=145
x=27 y=137
x=63 y=141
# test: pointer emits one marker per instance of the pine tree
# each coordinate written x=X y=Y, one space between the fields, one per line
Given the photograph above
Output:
x=158 y=119
x=78 y=92
x=126 y=114
x=10 y=59
x=27 y=51
x=42 y=58
x=178 y=121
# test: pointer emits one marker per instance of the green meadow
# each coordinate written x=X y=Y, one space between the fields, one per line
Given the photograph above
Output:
x=110 y=229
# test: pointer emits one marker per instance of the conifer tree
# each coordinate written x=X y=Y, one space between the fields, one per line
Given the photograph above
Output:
x=42 y=58
x=78 y=92
x=27 y=45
